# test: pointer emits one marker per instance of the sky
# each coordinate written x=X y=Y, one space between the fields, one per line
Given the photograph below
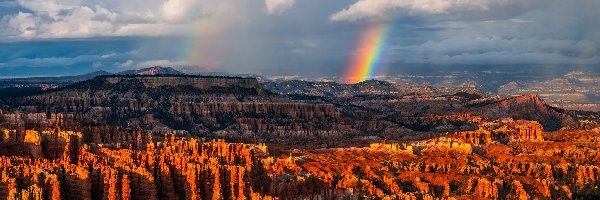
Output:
x=293 y=37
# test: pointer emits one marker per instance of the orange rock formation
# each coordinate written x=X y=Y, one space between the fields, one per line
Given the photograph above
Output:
x=463 y=165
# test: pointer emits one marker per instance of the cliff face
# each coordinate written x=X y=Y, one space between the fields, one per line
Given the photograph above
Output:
x=198 y=82
x=236 y=108
x=53 y=144
x=526 y=107
x=530 y=131
x=504 y=131
x=478 y=137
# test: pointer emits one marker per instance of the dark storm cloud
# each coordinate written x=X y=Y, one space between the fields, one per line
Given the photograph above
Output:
x=82 y=55
x=308 y=37
x=561 y=33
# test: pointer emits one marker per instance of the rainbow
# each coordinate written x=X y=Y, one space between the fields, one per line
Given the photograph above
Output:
x=367 y=60
x=194 y=50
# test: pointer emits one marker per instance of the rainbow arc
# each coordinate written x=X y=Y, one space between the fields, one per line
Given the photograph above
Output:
x=367 y=60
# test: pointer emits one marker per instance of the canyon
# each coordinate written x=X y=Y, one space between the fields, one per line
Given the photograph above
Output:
x=177 y=136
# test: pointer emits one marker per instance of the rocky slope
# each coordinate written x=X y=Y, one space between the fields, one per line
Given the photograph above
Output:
x=60 y=81
x=527 y=107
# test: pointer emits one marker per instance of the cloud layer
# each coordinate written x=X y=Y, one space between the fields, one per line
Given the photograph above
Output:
x=288 y=36
x=277 y=7
x=385 y=8
x=84 y=19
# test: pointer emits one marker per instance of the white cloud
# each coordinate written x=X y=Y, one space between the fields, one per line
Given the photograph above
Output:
x=108 y=55
x=126 y=64
x=310 y=43
x=179 y=65
x=489 y=42
x=50 y=19
x=9 y=4
x=164 y=63
x=384 y=8
x=179 y=11
x=84 y=19
x=152 y=63
x=277 y=7
x=97 y=65
x=521 y=21
x=24 y=23
x=298 y=51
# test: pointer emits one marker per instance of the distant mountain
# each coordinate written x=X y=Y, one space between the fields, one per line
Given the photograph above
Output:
x=153 y=71
x=330 y=89
x=59 y=81
x=48 y=82
x=50 y=79
x=368 y=87
x=93 y=74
